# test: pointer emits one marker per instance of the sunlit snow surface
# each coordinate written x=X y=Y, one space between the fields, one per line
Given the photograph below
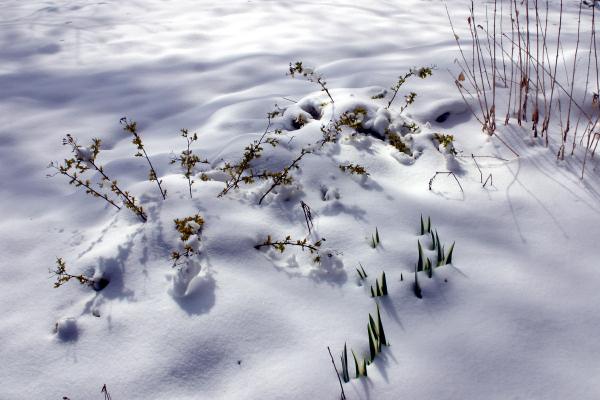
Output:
x=515 y=316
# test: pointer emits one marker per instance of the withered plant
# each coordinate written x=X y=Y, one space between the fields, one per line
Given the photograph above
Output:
x=398 y=143
x=188 y=160
x=62 y=276
x=307 y=216
x=84 y=161
x=131 y=127
x=304 y=244
x=310 y=75
x=422 y=73
x=283 y=176
x=189 y=229
x=535 y=36
x=242 y=172
x=353 y=169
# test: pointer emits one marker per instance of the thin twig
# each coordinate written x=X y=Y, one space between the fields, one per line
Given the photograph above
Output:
x=124 y=195
x=131 y=127
x=489 y=178
x=561 y=87
x=506 y=144
x=566 y=130
x=477 y=156
x=277 y=180
x=252 y=152
x=105 y=391
x=85 y=184
x=343 y=395
x=307 y=216
x=445 y=173
x=288 y=243
x=479 y=169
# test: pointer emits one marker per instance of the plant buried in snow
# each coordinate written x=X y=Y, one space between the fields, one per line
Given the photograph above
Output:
x=376 y=334
x=337 y=374
x=395 y=141
x=425 y=226
x=299 y=121
x=351 y=119
x=424 y=263
x=381 y=288
x=416 y=286
x=359 y=367
x=189 y=229
x=412 y=127
x=307 y=216
x=188 y=160
x=309 y=75
x=377 y=340
x=422 y=73
x=443 y=258
x=242 y=172
x=62 y=276
x=84 y=160
x=331 y=132
x=445 y=140
x=375 y=239
x=282 y=177
x=304 y=244
x=408 y=100
x=354 y=169
x=362 y=275
x=354 y=120
x=344 y=362
x=131 y=127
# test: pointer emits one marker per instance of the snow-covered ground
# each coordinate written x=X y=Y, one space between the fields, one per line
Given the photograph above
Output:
x=515 y=316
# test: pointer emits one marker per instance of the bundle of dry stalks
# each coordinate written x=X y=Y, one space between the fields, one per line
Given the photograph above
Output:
x=518 y=48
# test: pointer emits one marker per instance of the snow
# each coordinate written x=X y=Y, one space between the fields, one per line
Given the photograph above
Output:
x=66 y=329
x=514 y=315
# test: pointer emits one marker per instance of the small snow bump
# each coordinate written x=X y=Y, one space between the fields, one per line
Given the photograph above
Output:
x=66 y=329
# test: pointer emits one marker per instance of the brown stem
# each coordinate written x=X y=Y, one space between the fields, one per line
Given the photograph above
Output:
x=479 y=169
x=235 y=180
x=445 y=173
x=519 y=85
x=189 y=172
x=566 y=130
x=91 y=189
x=288 y=243
x=278 y=179
x=162 y=192
x=124 y=196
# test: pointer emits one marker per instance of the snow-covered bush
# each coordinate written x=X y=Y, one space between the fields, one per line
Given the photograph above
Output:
x=189 y=229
